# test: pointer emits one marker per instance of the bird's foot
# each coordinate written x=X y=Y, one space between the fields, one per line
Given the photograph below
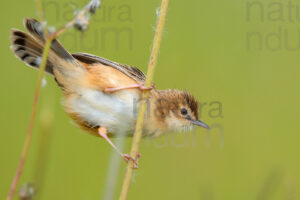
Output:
x=127 y=158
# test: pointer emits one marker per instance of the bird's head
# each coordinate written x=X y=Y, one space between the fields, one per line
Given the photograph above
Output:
x=178 y=110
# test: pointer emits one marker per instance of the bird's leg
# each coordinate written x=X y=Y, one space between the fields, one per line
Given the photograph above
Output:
x=103 y=133
x=140 y=86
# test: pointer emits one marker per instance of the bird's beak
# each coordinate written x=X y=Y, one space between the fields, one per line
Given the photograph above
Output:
x=200 y=123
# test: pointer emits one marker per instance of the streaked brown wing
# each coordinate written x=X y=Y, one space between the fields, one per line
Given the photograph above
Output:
x=132 y=72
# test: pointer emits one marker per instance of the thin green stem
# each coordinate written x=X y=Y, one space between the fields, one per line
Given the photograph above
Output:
x=31 y=122
x=43 y=150
x=143 y=104
x=42 y=17
x=49 y=38
x=33 y=111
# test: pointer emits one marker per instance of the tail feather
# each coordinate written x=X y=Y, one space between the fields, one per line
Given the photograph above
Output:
x=35 y=28
x=20 y=38
x=28 y=50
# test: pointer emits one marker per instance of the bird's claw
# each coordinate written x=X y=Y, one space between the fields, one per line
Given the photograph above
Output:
x=144 y=88
x=127 y=158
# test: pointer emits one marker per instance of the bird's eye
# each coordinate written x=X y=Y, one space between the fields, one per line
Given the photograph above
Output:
x=184 y=111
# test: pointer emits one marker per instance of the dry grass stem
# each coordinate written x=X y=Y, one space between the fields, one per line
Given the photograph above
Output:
x=143 y=104
x=80 y=19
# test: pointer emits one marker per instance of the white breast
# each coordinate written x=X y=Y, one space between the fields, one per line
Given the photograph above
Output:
x=116 y=111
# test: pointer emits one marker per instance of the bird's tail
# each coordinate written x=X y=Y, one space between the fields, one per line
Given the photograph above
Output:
x=29 y=47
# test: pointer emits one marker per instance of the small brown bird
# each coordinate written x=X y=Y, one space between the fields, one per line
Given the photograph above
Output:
x=102 y=96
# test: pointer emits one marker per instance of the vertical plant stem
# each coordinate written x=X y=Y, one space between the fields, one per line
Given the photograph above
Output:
x=43 y=150
x=40 y=9
x=49 y=38
x=143 y=104
x=42 y=17
x=31 y=122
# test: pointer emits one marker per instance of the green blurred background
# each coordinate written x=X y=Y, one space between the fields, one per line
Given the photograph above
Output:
x=235 y=56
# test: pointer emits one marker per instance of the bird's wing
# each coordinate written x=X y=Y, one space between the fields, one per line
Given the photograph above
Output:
x=132 y=72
